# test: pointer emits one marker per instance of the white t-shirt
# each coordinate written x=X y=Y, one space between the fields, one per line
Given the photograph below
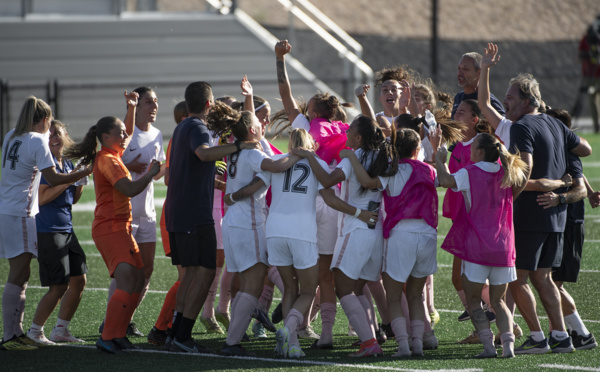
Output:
x=23 y=157
x=350 y=193
x=394 y=186
x=301 y=122
x=503 y=131
x=462 y=179
x=249 y=212
x=149 y=145
x=426 y=150
x=266 y=147
x=293 y=212
x=390 y=119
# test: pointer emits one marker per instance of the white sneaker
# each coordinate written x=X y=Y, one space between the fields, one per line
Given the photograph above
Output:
x=62 y=334
x=39 y=337
x=294 y=351
x=307 y=332
x=430 y=341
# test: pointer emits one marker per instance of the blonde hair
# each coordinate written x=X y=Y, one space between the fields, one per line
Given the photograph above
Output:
x=34 y=110
x=529 y=89
x=300 y=138
x=514 y=168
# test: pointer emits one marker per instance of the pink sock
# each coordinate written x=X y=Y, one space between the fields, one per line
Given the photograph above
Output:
x=225 y=292
x=292 y=321
x=404 y=304
x=487 y=339
x=234 y=303
x=357 y=317
x=12 y=297
x=241 y=312
x=429 y=294
x=367 y=305
x=276 y=278
x=378 y=293
x=265 y=297
x=207 y=309
x=328 y=311
x=399 y=328
x=417 y=327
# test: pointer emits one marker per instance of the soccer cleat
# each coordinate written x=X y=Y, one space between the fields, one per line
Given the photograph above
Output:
x=157 y=336
x=133 y=331
x=258 y=330
x=296 y=352
x=16 y=344
x=308 y=333
x=168 y=343
x=430 y=341
x=373 y=349
x=351 y=331
x=236 y=350
x=277 y=315
x=211 y=325
x=583 y=342
x=62 y=334
x=473 y=338
x=222 y=318
x=563 y=346
x=245 y=338
x=39 y=337
x=316 y=345
x=380 y=335
x=283 y=338
x=533 y=347
x=464 y=316
x=435 y=318
x=124 y=343
x=263 y=317
x=109 y=346
x=190 y=346
x=387 y=328
x=101 y=327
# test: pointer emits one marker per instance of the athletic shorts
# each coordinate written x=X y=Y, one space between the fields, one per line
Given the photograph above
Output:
x=538 y=250
x=195 y=249
x=18 y=235
x=143 y=229
x=244 y=248
x=481 y=274
x=287 y=252
x=327 y=226
x=409 y=254
x=218 y=217
x=572 y=250
x=118 y=247
x=60 y=257
x=359 y=254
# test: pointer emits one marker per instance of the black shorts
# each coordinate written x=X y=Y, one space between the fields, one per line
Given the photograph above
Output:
x=571 y=259
x=60 y=257
x=538 y=250
x=195 y=249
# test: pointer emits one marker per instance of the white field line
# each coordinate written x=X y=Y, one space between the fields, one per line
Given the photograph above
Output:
x=569 y=368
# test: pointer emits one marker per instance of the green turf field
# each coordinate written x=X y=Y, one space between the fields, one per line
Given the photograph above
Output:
x=449 y=356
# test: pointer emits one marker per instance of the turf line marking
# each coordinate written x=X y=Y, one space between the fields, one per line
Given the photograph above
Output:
x=567 y=367
x=291 y=361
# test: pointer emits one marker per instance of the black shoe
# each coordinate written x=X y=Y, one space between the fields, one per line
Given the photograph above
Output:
x=245 y=338
x=236 y=350
x=190 y=346
x=263 y=317
x=564 y=346
x=277 y=315
x=101 y=328
x=464 y=316
x=124 y=343
x=168 y=343
x=315 y=345
x=109 y=346
x=157 y=337
x=380 y=335
x=133 y=331
x=583 y=342
x=387 y=328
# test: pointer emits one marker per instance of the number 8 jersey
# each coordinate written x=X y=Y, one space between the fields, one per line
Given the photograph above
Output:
x=292 y=213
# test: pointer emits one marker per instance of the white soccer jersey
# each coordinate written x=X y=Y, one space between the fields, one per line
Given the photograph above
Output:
x=350 y=193
x=22 y=159
x=241 y=168
x=149 y=145
x=293 y=212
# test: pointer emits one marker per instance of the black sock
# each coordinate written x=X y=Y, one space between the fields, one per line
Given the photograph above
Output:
x=176 y=323
x=185 y=329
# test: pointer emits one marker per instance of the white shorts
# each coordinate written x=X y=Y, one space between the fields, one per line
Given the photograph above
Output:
x=286 y=252
x=359 y=254
x=409 y=254
x=244 y=248
x=327 y=226
x=218 y=217
x=143 y=229
x=496 y=275
x=18 y=235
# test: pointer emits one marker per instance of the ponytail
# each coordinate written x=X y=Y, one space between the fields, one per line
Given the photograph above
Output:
x=32 y=112
x=514 y=168
x=86 y=150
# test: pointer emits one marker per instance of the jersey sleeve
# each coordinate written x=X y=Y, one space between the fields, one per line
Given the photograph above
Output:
x=43 y=156
x=199 y=136
x=346 y=167
x=520 y=139
x=255 y=159
x=462 y=180
x=326 y=168
x=113 y=169
x=571 y=139
x=574 y=166
x=301 y=122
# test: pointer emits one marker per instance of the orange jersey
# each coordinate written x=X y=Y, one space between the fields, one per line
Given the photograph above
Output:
x=113 y=209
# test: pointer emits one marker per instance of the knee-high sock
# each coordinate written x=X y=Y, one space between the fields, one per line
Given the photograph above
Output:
x=165 y=317
x=417 y=328
x=265 y=297
x=208 y=310
x=292 y=321
x=116 y=310
x=369 y=312
x=357 y=317
x=487 y=339
x=276 y=278
x=328 y=310
x=401 y=335
x=225 y=292
x=241 y=314
x=132 y=305
x=378 y=293
x=13 y=297
x=142 y=296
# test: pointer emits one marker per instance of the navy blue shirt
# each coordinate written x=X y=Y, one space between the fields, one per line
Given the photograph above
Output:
x=547 y=140
x=56 y=216
x=191 y=181
x=496 y=104
x=575 y=211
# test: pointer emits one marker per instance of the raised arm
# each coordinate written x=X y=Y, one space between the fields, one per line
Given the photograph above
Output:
x=244 y=192
x=325 y=178
x=132 y=100
x=362 y=176
x=365 y=106
x=339 y=205
x=248 y=94
x=285 y=90
x=490 y=58
x=444 y=177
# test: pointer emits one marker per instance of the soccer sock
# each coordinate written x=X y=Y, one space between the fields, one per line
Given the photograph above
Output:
x=177 y=316
x=401 y=336
x=21 y=310
x=61 y=323
x=367 y=305
x=328 y=310
x=417 y=328
x=537 y=336
x=292 y=321
x=265 y=297
x=225 y=292
x=276 y=278
x=184 y=332
x=134 y=300
x=508 y=343
x=487 y=339
x=559 y=335
x=11 y=298
x=208 y=311
x=378 y=293
x=35 y=327
x=356 y=315
x=165 y=317
x=241 y=315
x=429 y=294
x=116 y=311
x=463 y=298
x=576 y=324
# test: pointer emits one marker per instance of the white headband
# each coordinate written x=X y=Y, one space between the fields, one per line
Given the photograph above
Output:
x=261 y=106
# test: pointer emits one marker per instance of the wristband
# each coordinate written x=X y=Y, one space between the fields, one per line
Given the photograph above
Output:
x=237 y=145
x=357 y=213
x=231 y=198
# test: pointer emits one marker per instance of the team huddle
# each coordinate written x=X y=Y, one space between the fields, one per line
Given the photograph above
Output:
x=348 y=213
